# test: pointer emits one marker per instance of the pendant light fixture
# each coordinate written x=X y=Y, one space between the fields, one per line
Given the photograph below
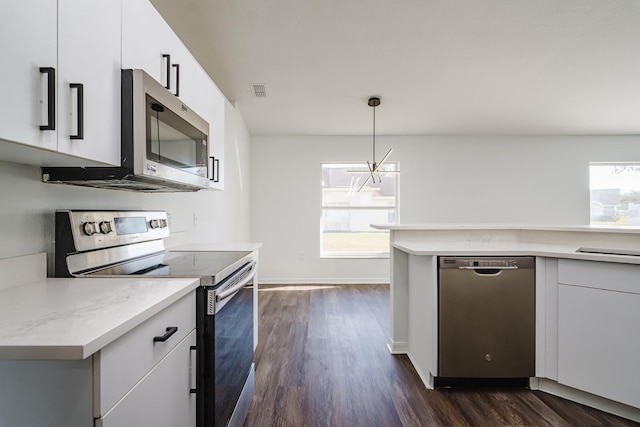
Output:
x=373 y=166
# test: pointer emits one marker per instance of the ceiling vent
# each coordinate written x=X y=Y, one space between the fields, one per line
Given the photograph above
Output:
x=258 y=90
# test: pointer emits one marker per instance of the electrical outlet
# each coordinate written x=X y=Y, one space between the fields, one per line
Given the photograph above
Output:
x=301 y=256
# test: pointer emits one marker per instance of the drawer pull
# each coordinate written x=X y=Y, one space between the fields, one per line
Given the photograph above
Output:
x=170 y=331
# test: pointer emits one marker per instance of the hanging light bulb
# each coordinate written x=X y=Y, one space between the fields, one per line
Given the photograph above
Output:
x=373 y=166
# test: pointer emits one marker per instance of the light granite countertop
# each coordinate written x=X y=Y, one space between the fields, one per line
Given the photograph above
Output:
x=593 y=243
x=508 y=249
x=462 y=227
x=217 y=247
x=61 y=319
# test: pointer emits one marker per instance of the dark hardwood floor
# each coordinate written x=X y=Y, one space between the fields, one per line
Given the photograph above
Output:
x=322 y=361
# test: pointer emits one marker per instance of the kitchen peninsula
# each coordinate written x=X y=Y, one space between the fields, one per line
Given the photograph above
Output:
x=587 y=303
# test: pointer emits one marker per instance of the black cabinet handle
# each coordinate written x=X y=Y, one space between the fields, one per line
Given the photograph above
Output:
x=194 y=390
x=51 y=98
x=215 y=169
x=168 y=59
x=80 y=88
x=177 y=67
x=170 y=331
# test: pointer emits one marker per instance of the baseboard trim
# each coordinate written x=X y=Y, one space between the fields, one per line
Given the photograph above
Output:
x=588 y=399
x=427 y=379
x=398 y=347
x=324 y=281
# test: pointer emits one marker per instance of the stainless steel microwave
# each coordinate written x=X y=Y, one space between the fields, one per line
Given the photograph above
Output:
x=164 y=144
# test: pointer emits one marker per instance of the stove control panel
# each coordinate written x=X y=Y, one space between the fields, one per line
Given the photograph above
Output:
x=91 y=230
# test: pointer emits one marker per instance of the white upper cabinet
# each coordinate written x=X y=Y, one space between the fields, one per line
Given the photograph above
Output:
x=61 y=80
x=148 y=43
x=144 y=40
x=217 y=135
x=27 y=44
x=46 y=46
x=89 y=45
x=213 y=105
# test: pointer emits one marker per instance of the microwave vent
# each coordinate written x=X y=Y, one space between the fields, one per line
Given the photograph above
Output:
x=258 y=90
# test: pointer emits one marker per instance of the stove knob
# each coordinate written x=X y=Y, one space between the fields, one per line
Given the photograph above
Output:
x=154 y=223
x=90 y=228
x=163 y=223
x=105 y=227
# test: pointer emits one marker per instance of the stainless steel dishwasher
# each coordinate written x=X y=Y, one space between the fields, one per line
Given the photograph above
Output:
x=486 y=317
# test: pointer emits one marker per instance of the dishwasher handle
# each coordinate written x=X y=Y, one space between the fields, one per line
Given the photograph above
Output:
x=488 y=270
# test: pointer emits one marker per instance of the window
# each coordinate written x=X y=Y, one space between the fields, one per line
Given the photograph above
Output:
x=345 y=230
x=615 y=194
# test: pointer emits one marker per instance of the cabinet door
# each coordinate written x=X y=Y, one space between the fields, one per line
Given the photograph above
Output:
x=212 y=104
x=149 y=43
x=217 y=138
x=598 y=344
x=27 y=42
x=89 y=43
x=162 y=398
x=121 y=364
x=146 y=37
x=201 y=94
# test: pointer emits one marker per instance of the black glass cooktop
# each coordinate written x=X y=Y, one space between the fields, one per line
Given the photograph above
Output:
x=178 y=264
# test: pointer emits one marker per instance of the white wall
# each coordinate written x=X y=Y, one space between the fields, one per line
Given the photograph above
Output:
x=521 y=180
x=27 y=205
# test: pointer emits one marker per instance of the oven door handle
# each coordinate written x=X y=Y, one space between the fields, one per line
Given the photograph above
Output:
x=232 y=290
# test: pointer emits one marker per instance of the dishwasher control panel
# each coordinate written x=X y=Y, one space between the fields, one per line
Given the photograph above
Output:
x=486 y=262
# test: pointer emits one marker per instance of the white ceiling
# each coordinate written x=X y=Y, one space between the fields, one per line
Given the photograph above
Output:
x=439 y=66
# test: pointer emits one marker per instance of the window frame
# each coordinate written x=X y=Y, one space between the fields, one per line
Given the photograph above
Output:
x=324 y=207
x=614 y=208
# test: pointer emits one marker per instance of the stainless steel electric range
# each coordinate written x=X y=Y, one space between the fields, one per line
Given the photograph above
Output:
x=126 y=243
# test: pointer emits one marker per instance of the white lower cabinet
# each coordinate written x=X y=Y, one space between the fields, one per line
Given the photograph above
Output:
x=598 y=318
x=162 y=398
x=145 y=377
x=135 y=380
x=122 y=364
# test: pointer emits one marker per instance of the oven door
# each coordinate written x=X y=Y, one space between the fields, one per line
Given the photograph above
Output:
x=226 y=352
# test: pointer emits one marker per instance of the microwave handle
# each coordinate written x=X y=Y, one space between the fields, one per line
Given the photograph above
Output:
x=167 y=57
x=177 y=67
